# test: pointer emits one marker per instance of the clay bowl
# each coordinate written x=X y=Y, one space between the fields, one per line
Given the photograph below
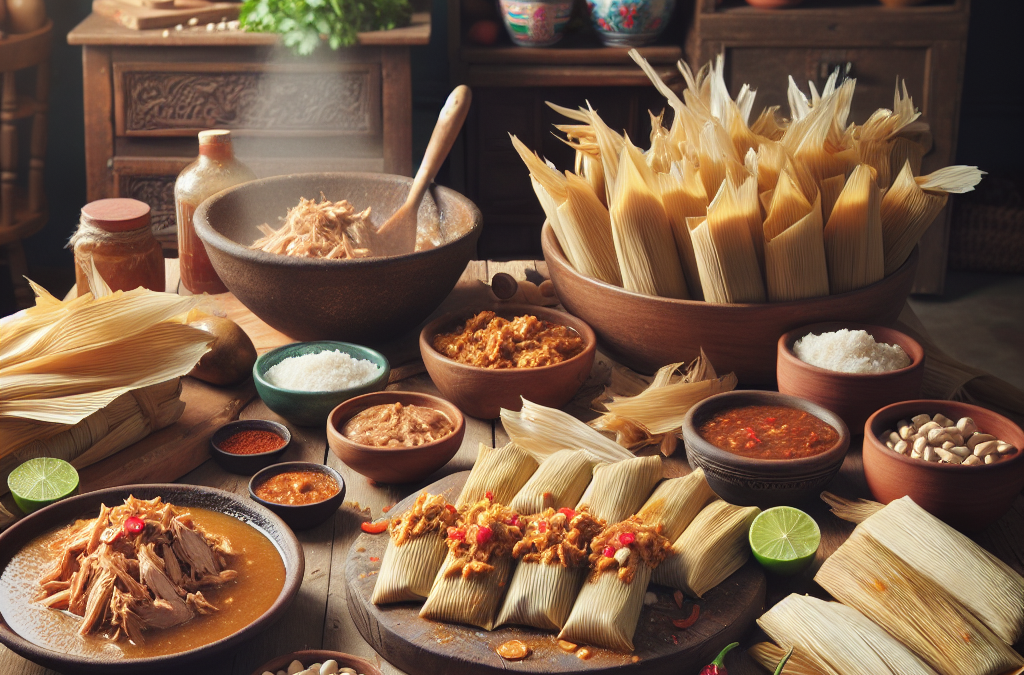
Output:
x=748 y=481
x=967 y=497
x=363 y=300
x=483 y=392
x=310 y=656
x=300 y=516
x=394 y=465
x=246 y=465
x=645 y=332
x=852 y=396
x=87 y=506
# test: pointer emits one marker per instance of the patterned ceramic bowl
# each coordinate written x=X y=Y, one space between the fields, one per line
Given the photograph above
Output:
x=630 y=23
x=533 y=23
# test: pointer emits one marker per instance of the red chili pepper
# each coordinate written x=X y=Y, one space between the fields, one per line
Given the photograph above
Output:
x=456 y=534
x=489 y=495
x=483 y=535
x=449 y=507
x=717 y=667
x=514 y=520
x=374 y=528
x=568 y=513
x=542 y=526
x=627 y=538
x=134 y=525
x=752 y=435
x=688 y=621
x=609 y=552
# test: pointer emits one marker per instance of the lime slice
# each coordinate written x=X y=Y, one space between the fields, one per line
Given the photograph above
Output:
x=784 y=540
x=40 y=482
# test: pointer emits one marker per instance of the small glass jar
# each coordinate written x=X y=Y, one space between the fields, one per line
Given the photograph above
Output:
x=214 y=170
x=115 y=236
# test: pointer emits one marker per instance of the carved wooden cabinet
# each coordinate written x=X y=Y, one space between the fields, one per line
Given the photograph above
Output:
x=147 y=96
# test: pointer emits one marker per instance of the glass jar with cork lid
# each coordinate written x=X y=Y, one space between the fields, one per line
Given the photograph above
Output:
x=214 y=170
x=115 y=236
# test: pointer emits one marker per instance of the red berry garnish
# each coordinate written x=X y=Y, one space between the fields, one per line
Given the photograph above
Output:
x=456 y=534
x=609 y=552
x=134 y=525
x=483 y=535
x=489 y=495
x=568 y=513
x=627 y=538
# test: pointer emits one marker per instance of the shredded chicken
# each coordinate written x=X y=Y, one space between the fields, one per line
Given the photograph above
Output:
x=122 y=582
x=430 y=513
x=315 y=230
x=558 y=537
x=484 y=531
x=647 y=544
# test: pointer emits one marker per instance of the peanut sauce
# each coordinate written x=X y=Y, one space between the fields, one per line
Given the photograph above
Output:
x=490 y=341
x=769 y=432
x=295 y=488
x=393 y=425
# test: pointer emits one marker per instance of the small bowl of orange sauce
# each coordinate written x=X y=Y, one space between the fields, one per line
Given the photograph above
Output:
x=303 y=494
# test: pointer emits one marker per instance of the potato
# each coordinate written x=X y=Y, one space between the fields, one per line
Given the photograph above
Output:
x=231 y=355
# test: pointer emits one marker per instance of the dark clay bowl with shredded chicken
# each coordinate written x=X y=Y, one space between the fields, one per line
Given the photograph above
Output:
x=86 y=506
x=356 y=299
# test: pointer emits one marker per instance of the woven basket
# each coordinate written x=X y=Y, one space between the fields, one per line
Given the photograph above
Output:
x=987 y=230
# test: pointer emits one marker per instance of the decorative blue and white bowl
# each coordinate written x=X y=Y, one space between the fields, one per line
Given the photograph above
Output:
x=630 y=23
x=535 y=23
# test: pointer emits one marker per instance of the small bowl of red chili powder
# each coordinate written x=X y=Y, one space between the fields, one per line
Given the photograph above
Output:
x=246 y=446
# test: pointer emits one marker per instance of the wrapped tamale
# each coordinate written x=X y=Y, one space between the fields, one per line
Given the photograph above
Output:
x=472 y=580
x=502 y=472
x=416 y=549
x=676 y=502
x=618 y=490
x=559 y=482
x=553 y=564
x=608 y=607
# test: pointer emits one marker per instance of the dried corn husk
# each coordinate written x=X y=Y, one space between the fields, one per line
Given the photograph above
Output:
x=837 y=638
x=726 y=256
x=544 y=431
x=676 y=502
x=473 y=601
x=618 y=490
x=709 y=550
x=559 y=482
x=683 y=196
x=907 y=211
x=607 y=610
x=587 y=229
x=769 y=655
x=924 y=616
x=500 y=471
x=853 y=235
x=541 y=595
x=795 y=257
x=407 y=572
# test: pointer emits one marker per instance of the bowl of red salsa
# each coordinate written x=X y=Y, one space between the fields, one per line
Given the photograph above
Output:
x=763 y=448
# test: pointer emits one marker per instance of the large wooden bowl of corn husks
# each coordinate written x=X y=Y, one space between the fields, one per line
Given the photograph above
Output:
x=356 y=300
x=646 y=332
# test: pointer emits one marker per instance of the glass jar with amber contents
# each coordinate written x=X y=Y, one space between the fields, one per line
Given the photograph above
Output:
x=115 y=236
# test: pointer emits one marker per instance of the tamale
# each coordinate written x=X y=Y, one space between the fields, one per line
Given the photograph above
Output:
x=837 y=638
x=709 y=550
x=676 y=502
x=853 y=235
x=618 y=490
x=726 y=255
x=416 y=549
x=924 y=616
x=768 y=655
x=502 y=472
x=662 y=152
x=544 y=431
x=907 y=212
x=795 y=257
x=586 y=223
x=831 y=188
x=559 y=482
x=683 y=196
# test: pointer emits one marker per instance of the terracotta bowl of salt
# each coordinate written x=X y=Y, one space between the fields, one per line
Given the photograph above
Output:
x=852 y=396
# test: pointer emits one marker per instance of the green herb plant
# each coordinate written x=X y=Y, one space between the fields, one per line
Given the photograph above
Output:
x=304 y=24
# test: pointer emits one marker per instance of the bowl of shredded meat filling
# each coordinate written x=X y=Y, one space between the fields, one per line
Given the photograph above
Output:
x=489 y=359
x=300 y=252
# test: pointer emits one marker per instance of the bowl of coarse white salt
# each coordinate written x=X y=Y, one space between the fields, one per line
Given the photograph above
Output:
x=303 y=382
x=851 y=369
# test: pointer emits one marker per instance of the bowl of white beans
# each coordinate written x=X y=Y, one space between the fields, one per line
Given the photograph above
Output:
x=317 y=662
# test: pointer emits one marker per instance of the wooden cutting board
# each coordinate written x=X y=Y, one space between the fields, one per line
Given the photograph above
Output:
x=418 y=645
x=139 y=17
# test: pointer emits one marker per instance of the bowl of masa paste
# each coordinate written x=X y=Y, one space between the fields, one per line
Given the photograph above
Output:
x=395 y=436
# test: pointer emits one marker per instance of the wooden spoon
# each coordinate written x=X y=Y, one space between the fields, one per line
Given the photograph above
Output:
x=397 y=236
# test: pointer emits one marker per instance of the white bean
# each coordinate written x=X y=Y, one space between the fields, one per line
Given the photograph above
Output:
x=330 y=667
x=295 y=667
x=905 y=429
x=961 y=450
x=966 y=426
x=955 y=435
x=901 y=447
x=282 y=672
x=925 y=428
x=991 y=459
x=930 y=455
x=920 y=420
x=943 y=420
x=972 y=460
x=937 y=436
x=315 y=668
x=1005 y=448
x=974 y=440
x=948 y=456
x=986 y=448
x=894 y=437
x=920 y=444
x=948 y=444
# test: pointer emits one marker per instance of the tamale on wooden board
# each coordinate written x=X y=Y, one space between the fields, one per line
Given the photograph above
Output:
x=418 y=645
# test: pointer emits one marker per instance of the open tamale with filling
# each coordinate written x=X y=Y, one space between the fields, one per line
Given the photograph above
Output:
x=559 y=482
x=618 y=490
x=416 y=549
x=498 y=474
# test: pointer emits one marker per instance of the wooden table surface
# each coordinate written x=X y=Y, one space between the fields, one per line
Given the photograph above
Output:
x=319 y=617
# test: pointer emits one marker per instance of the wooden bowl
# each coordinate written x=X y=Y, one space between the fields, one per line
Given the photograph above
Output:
x=483 y=392
x=310 y=656
x=646 y=332
x=394 y=465
x=364 y=300
x=852 y=396
x=247 y=465
x=299 y=516
x=967 y=497
x=748 y=481
x=87 y=506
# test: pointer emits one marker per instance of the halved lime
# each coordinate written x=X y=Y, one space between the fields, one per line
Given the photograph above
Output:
x=40 y=482
x=784 y=540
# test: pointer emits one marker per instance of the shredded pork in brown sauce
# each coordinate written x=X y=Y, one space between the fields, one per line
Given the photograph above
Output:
x=430 y=513
x=648 y=545
x=552 y=538
x=122 y=582
x=490 y=341
x=315 y=230
x=484 y=531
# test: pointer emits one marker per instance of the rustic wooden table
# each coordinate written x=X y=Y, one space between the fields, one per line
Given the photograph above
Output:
x=319 y=617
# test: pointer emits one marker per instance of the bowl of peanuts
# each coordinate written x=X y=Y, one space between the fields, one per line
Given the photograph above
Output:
x=960 y=462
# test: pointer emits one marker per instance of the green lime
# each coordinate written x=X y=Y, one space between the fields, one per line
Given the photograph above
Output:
x=784 y=540
x=40 y=482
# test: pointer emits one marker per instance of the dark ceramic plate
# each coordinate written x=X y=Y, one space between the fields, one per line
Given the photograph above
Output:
x=87 y=506
x=301 y=516
x=247 y=465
